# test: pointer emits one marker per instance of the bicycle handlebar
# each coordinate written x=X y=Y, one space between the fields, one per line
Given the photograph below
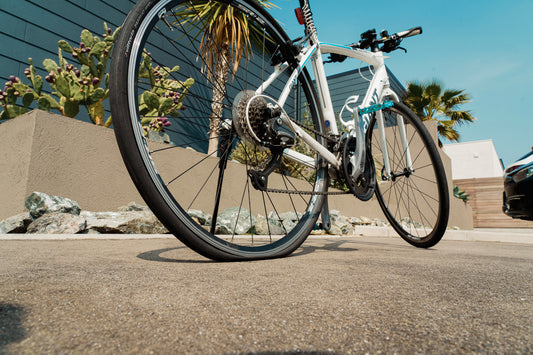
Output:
x=388 y=42
x=411 y=32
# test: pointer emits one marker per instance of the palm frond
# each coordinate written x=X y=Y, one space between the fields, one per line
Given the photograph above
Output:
x=429 y=102
x=222 y=26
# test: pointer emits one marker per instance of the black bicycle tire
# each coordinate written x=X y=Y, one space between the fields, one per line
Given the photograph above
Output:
x=441 y=221
x=174 y=217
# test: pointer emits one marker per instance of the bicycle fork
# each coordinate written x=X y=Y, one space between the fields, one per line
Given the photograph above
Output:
x=387 y=173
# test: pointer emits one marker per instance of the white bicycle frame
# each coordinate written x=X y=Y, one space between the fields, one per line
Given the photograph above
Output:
x=378 y=90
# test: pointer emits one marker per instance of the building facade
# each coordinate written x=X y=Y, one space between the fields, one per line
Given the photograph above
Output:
x=474 y=160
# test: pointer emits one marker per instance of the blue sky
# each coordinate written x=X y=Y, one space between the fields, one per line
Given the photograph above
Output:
x=483 y=47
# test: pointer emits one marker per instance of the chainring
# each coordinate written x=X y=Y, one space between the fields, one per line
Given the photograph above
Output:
x=363 y=188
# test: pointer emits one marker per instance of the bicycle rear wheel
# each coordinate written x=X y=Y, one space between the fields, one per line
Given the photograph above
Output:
x=415 y=201
x=170 y=79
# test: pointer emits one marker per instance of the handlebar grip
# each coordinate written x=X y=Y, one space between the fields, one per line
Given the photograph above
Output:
x=411 y=32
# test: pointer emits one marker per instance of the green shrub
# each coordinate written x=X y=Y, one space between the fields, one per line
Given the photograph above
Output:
x=460 y=194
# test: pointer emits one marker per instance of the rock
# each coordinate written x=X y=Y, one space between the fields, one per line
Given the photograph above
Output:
x=287 y=221
x=318 y=232
x=376 y=222
x=133 y=206
x=287 y=225
x=339 y=222
x=272 y=228
x=203 y=218
x=16 y=224
x=58 y=223
x=355 y=221
x=407 y=223
x=132 y=222
x=291 y=216
x=144 y=225
x=335 y=230
x=365 y=221
x=223 y=229
x=39 y=203
x=228 y=223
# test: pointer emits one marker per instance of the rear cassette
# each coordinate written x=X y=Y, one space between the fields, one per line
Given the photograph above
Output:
x=250 y=117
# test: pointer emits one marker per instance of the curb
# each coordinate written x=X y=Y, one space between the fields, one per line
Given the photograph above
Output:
x=95 y=236
x=500 y=236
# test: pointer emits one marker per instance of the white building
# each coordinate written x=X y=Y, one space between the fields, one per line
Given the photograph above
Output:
x=472 y=160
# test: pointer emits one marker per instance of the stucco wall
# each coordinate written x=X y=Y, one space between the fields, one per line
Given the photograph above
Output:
x=61 y=156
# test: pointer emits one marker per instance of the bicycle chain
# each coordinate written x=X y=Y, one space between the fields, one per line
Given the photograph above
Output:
x=299 y=192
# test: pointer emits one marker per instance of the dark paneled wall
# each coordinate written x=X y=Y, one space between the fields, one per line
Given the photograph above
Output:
x=32 y=28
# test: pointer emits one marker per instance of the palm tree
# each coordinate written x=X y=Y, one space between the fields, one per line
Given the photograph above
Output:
x=429 y=102
x=227 y=37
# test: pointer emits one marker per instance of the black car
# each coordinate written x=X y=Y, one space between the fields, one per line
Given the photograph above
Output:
x=518 y=188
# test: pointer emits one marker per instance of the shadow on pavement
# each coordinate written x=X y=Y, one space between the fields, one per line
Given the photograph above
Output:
x=11 y=329
x=156 y=255
x=336 y=245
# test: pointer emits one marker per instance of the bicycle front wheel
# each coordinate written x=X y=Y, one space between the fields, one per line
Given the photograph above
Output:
x=415 y=197
x=181 y=71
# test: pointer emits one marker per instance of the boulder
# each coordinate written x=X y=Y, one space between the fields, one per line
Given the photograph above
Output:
x=39 y=203
x=288 y=224
x=132 y=222
x=265 y=226
x=133 y=206
x=16 y=224
x=356 y=221
x=339 y=224
x=376 y=222
x=235 y=220
x=57 y=223
x=203 y=218
x=334 y=230
x=365 y=221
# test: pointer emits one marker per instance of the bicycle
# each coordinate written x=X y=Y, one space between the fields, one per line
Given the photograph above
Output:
x=278 y=144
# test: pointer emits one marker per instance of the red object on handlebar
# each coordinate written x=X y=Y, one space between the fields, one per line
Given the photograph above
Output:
x=300 y=16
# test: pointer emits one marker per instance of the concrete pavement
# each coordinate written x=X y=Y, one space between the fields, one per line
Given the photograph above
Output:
x=339 y=295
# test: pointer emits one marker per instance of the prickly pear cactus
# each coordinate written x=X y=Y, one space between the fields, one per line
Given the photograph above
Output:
x=86 y=83
x=71 y=86
x=165 y=98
